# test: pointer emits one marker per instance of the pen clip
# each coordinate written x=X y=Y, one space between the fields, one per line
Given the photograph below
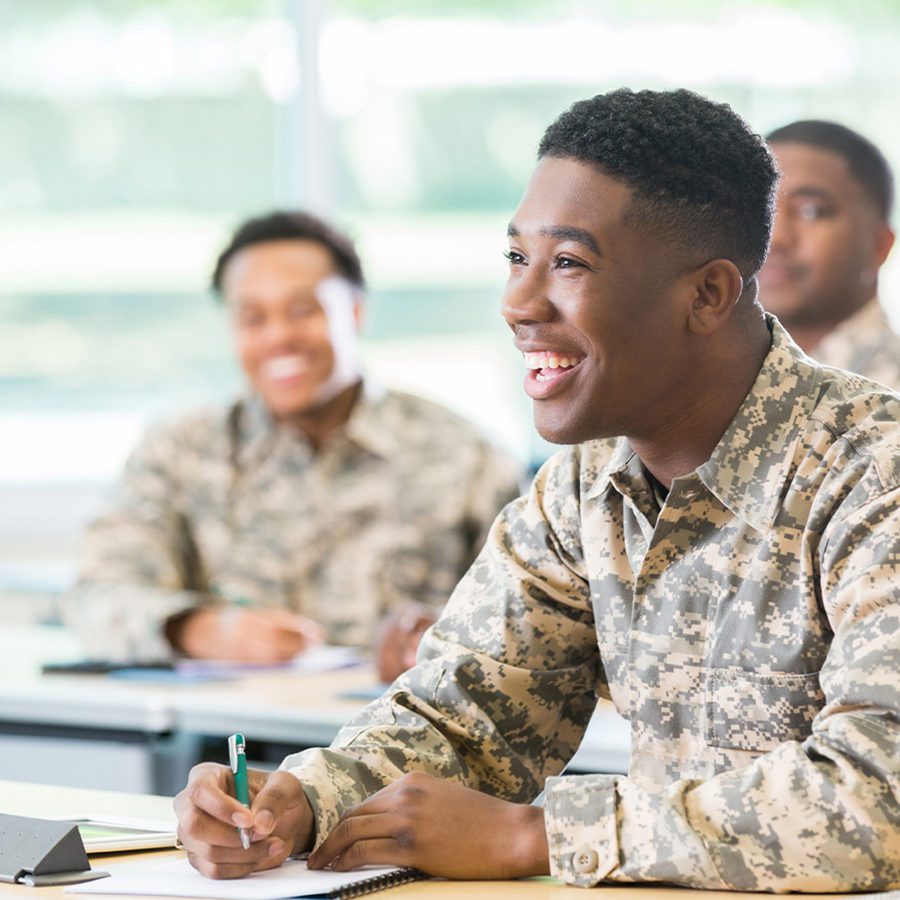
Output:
x=235 y=748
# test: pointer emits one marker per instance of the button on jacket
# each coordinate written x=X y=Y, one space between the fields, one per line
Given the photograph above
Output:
x=225 y=504
x=749 y=630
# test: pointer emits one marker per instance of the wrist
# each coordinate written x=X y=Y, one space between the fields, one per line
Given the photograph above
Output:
x=174 y=628
x=533 y=851
x=305 y=832
x=304 y=837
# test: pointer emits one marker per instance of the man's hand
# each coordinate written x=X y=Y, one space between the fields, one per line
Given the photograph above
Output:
x=209 y=817
x=243 y=635
x=399 y=639
x=441 y=828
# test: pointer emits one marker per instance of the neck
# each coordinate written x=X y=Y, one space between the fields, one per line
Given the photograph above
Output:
x=320 y=423
x=691 y=429
x=809 y=334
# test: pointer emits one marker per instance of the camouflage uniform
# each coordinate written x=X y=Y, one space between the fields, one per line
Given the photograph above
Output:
x=749 y=629
x=222 y=504
x=864 y=343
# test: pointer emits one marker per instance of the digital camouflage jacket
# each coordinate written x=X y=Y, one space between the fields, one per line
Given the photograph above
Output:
x=749 y=630
x=225 y=505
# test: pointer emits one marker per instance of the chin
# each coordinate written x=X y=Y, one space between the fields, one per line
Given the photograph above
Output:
x=587 y=425
x=565 y=432
x=288 y=410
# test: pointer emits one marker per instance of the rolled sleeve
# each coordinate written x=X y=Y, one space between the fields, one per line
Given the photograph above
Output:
x=580 y=818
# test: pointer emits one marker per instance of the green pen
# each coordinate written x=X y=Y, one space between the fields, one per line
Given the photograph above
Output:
x=237 y=756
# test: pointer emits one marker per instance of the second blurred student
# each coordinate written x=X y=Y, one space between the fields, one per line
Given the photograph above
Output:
x=318 y=506
x=831 y=236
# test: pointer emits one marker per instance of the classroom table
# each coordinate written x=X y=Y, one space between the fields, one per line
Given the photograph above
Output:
x=75 y=730
x=96 y=731
x=38 y=800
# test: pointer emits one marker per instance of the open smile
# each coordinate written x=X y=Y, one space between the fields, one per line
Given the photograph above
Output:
x=549 y=371
x=285 y=370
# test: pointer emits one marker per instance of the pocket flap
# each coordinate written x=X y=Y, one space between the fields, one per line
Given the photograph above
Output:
x=746 y=711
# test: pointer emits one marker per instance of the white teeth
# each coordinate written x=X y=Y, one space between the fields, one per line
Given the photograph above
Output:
x=543 y=359
x=283 y=367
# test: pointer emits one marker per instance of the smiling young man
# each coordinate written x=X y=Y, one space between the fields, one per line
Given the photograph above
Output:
x=831 y=236
x=305 y=509
x=729 y=577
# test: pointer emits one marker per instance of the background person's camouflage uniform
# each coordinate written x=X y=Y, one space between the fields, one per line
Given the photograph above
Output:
x=864 y=343
x=222 y=504
x=750 y=630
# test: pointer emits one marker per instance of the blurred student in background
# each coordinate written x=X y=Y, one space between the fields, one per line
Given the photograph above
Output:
x=832 y=235
x=317 y=507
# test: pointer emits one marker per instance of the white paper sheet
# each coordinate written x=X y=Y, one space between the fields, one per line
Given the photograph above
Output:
x=178 y=878
x=323 y=658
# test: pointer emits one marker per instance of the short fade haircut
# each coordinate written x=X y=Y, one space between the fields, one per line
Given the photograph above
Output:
x=698 y=174
x=284 y=225
x=867 y=163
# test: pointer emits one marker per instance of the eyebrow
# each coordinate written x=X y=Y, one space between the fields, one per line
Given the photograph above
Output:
x=563 y=233
x=812 y=192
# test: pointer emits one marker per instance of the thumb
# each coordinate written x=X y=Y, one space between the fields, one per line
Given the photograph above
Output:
x=281 y=795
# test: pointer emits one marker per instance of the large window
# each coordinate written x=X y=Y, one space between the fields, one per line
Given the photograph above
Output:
x=134 y=134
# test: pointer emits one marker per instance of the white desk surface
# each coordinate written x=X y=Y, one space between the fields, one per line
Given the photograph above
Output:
x=40 y=800
x=272 y=706
x=28 y=697
x=20 y=799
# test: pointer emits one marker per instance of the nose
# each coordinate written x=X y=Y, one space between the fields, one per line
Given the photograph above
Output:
x=279 y=331
x=525 y=300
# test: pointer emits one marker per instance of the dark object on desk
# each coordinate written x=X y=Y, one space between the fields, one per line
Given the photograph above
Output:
x=103 y=667
x=38 y=852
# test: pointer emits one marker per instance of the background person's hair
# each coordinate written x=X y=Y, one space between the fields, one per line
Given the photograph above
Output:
x=283 y=225
x=699 y=175
x=867 y=163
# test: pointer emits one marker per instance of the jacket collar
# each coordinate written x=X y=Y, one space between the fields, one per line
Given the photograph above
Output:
x=255 y=434
x=749 y=466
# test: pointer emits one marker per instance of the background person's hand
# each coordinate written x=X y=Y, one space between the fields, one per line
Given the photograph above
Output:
x=441 y=828
x=240 y=634
x=401 y=631
x=209 y=817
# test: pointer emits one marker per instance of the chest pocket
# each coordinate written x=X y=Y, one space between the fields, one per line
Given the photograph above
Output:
x=746 y=711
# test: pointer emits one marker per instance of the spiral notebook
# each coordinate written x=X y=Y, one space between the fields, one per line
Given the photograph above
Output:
x=177 y=878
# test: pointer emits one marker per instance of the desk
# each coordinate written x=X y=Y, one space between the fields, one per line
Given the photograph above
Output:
x=91 y=731
x=39 y=800
x=75 y=730
x=273 y=706
x=23 y=799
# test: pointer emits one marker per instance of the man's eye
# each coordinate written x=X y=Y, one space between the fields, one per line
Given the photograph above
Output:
x=566 y=262
x=302 y=310
x=809 y=212
x=515 y=259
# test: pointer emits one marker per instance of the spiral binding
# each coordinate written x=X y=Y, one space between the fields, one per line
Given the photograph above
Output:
x=378 y=883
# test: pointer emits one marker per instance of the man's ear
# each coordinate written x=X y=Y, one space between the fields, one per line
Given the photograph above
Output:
x=716 y=286
x=359 y=311
x=884 y=240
